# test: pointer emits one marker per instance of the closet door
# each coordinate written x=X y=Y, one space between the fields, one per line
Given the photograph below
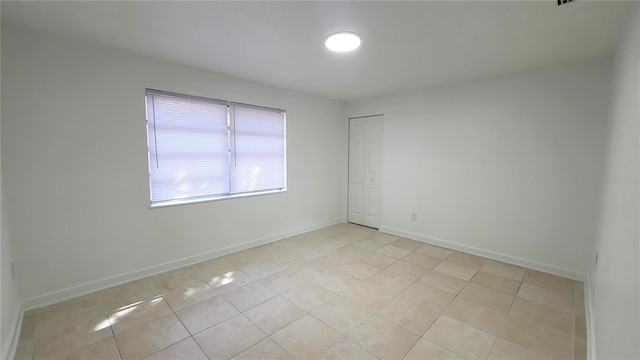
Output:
x=365 y=152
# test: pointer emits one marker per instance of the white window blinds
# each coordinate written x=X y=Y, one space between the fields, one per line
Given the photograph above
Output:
x=258 y=149
x=202 y=149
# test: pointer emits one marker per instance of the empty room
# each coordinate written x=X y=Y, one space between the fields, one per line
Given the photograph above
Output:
x=320 y=180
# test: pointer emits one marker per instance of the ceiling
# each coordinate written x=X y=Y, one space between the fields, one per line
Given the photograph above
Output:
x=405 y=45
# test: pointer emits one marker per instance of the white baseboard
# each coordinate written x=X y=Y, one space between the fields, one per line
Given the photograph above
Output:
x=588 y=309
x=574 y=275
x=11 y=343
x=79 y=290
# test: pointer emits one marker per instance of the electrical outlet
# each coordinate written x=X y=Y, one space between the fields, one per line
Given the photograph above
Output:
x=414 y=217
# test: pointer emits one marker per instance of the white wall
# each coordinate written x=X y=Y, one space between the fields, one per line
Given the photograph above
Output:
x=509 y=166
x=75 y=164
x=9 y=299
x=616 y=280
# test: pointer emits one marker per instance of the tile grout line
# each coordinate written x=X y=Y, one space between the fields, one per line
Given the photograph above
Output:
x=504 y=322
x=115 y=341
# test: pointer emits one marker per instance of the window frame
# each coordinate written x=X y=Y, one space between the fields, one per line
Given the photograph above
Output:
x=231 y=106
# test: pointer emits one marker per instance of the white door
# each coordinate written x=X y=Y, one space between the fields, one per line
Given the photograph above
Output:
x=365 y=151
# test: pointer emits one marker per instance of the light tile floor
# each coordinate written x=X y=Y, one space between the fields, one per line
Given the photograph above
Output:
x=342 y=292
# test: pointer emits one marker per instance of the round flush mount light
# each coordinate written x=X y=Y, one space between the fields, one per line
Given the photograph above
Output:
x=342 y=41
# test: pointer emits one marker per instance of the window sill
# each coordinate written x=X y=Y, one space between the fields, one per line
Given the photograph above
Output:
x=213 y=198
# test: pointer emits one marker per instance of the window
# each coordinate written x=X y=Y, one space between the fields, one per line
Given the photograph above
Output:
x=204 y=149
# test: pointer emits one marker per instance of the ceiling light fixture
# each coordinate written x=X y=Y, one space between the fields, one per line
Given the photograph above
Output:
x=342 y=41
